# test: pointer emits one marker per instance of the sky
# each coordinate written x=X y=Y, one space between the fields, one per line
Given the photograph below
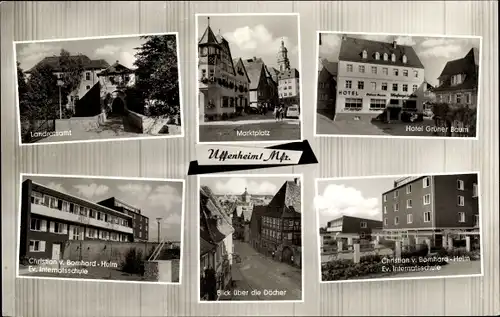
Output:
x=236 y=185
x=154 y=198
x=351 y=197
x=110 y=49
x=433 y=52
x=256 y=36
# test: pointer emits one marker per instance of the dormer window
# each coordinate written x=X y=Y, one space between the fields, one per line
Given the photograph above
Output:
x=457 y=79
x=377 y=56
x=405 y=60
x=386 y=57
x=393 y=57
x=365 y=54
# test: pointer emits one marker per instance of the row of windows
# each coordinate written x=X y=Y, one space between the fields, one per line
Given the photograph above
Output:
x=285 y=88
x=290 y=94
x=375 y=104
x=212 y=74
x=426 y=183
x=404 y=59
x=427 y=218
x=52 y=202
x=458 y=98
x=427 y=201
x=385 y=70
x=383 y=86
x=323 y=85
x=285 y=224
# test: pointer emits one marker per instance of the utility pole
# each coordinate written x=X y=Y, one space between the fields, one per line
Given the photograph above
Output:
x=59 y=84
x=158 y=220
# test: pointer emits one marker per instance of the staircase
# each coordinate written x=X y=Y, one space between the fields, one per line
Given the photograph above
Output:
x=156 y=253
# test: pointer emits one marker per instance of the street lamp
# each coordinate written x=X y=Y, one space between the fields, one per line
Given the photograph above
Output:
x=60 y=83
x=158 y=220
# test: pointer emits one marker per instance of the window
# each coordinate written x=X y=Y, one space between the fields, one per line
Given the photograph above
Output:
x=460 y=201
x=409 y=218
x=348 y=84
x=353 y=104
x=38 y=225
x=374 y=85
x=377 y=104
x=408 y=189
x=91 y=233
x=474 y=190
x=427 y=199
x=405 y=72
x=365 y=54
x=396 y=194
x=92 y=213
x=66 y=206
x=361 y=85
x=396 y=207
x=395 y=72
x=405 y=87
x=459 y=98
x=396 y=221
x=374 y=69
x=384 y=86
x=37 y=246
x=394 y=87
x=427 y=216
x=36 y=198
x=414 y=88
x=405 y=60
x=361 y=68
x=476 y=220
x=415 y=73
x=88 y=87
x=456 y=79
x=385 y=71
x=409 y=203
x=427 y=182
x=377 y=55
x=461 y=217
x=460 y=184
x=386 y=57
x=87 y=76
x=385 y=221
x=349 y=68
x=385 y=209
x=467 y=98
x=363 y=224
x=385 y=198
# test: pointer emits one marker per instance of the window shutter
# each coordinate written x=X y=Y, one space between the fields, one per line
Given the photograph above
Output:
x=41 y=246
x=51 y=229
x=43 y=225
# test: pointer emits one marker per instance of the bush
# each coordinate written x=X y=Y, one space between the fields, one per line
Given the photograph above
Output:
x=133 y=262
x=347 y=269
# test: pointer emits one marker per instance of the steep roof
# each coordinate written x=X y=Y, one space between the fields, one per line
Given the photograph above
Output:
x=208 y=37
x=55 y=63
x=331 y=67
x=468 y=65
x=254 y=71
x=206 y=246
x=236 y=61
x=286 y=202
x=255 y=220
x=116 y=69
x=351 y=50
x=211 y=229
x=274 y=73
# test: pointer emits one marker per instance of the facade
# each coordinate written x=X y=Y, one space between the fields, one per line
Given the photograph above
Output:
x=436 y=207
x=262 y=88
x=223 y=83
x=140 y=223
x=241 y=213
x=327 y=88
x=216 y=244
x=288 y=79
x=458 y=82
x=276 y=228
x=378 y=77
x=347 y=228
x=50 y=218
x=113 y=81
x=89 y=76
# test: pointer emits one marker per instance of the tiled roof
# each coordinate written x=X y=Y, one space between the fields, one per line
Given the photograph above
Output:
x=287 y=201
x=236 y=61
x=289 y=74
x=208 y=37
x=351 y=50
x=116 y=69
x=468 y=65
x=331 y=67
x=254 y=71
x=206 y=246
x=211 y=229
x=55 y=63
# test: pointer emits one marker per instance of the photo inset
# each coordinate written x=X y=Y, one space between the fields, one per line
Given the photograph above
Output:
x=405 y=227
x=248 y=78
x=394 y=85
x=250 y=238
x=102 y=229
x=98 y=89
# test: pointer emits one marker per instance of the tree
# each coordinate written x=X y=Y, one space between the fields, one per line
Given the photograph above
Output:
x=157 y=80
x=71 y=73
x=22 y=89
x=41 y=99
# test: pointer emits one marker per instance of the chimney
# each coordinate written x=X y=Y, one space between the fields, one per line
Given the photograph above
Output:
x=296 y=181
x=394 y=44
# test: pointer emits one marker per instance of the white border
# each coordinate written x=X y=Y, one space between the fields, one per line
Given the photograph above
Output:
x=182 y=240
x=478 y=106
x=299 y=55
x=481 y=243
x=152 y=137
x=263 y=176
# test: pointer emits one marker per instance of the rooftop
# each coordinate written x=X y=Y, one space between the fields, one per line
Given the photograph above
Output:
x=254 y=71
x=116 y=69
x=467 y=65
x=55 y=63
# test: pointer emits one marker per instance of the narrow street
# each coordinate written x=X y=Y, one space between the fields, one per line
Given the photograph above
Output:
x=258 y=273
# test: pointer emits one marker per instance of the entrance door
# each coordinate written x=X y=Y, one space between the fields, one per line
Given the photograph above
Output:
x=117 y=107
x=56 y=251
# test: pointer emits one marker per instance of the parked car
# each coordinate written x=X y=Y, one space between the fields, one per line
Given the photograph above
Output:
x=293 y=111
x=253 y=110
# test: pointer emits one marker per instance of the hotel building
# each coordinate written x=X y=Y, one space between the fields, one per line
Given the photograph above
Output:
x=50 y=218
x=438 y=208
x=223 y=82
x=374 y=76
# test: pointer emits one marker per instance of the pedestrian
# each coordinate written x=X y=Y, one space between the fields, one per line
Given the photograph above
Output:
x=282 y=112
x=277 y=113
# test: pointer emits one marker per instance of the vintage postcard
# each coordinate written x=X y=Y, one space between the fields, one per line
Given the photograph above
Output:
x=250 y=241
x=101 y=229
x=399 y=227
x=98 y=89
x=397 y=86
x=248 y=78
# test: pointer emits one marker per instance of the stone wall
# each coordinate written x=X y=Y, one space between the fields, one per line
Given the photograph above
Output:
x=150 y=125
x=79 y=124
x=162 y=271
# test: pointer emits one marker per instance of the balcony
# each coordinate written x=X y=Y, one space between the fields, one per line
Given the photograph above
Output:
x=59 y=214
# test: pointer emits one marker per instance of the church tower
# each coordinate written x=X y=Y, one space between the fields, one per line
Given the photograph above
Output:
x=283 y=61
x=245 y=197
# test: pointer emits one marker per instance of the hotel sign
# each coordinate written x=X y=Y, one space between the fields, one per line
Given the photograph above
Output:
x=348 y=93
x=370 y=94
x=397 y=95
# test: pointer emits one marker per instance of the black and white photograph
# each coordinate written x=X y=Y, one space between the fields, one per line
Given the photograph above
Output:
x=248 y=78
x=98 y=89
x=101 y=229
x=250 y=242
x=399 y=227
x=397 y=85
